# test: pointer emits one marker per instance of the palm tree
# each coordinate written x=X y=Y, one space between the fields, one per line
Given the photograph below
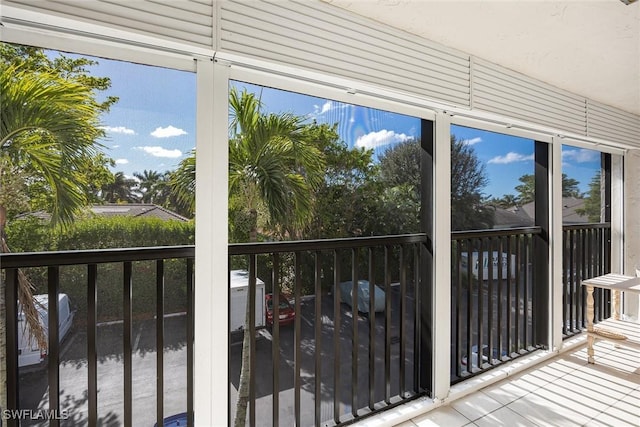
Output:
x=48 y=128
x=121 y=190
x=272 y=165
x=149 y=185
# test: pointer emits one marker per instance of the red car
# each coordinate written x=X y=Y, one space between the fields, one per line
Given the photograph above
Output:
x=286 y=312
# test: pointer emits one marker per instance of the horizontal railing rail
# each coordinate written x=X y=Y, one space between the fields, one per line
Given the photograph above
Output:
x=324 y=244
x=93 y=256
x=586 y=253
x=336 y=360
x=52 y=261
x=497 y=232
x=491 y=298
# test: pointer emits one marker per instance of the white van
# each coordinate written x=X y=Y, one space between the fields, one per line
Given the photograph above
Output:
x=28 y=351
x=239 y=287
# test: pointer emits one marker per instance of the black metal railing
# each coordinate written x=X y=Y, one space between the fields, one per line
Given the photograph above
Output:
x=50 y=264
x=492 y=295
x=586 y=253
x=346 y=354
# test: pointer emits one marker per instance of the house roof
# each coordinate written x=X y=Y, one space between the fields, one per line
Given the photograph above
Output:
x=569 y=214
x=512 y=217
x=136 y=210
x=139 y=210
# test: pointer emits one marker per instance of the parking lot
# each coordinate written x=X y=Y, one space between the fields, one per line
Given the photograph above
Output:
x=73 y=375
x=324 y=350
x=73 y=368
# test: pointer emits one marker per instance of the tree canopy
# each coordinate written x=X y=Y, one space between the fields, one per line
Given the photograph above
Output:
x=49 y=131
x=468 y=178
x=592 y=203
x=526 y=190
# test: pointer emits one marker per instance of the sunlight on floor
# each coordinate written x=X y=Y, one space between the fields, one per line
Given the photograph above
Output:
x=564 y=391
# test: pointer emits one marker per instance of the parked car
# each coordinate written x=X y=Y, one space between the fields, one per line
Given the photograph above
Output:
x=363 y=290
x=28 y=351
x=286 y=312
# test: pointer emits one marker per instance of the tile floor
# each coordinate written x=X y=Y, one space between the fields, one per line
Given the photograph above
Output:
x=563 y=391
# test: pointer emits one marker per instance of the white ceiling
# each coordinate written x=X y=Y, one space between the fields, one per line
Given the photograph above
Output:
x=588 y=47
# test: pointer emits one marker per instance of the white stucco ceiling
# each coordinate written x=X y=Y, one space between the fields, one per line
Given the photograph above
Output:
x=589 y=47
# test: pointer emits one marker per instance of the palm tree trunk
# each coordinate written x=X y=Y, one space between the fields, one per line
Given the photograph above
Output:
x=245 y=370
x=245 y=374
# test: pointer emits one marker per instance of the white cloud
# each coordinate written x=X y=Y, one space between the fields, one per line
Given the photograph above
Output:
x=581 y=155
x=472 y=141
x=119 y=129
x=161 y=152
x=121 y=161
x=511 y=157
x=115 y=146
x=318 y=110
x=380 y=139
x=167 y=132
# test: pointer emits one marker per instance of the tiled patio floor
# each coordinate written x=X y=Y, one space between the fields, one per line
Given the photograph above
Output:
x=563 y=391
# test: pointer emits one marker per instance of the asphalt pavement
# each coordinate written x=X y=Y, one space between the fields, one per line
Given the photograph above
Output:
x=73 y=375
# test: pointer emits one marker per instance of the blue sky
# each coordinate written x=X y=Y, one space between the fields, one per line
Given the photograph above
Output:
x=152 y=126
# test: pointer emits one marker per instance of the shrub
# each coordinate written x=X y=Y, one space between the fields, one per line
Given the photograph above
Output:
x=33 y=235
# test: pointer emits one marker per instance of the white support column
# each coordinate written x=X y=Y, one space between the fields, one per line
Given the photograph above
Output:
x=442 y=257
x=631 y=226
x=617 y=214
x=555 y=245
x=211 y=383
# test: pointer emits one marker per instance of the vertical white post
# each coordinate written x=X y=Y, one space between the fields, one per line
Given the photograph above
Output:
x=617 y=214
x=555 y=243
x=631 y=229
x=442 y=257
x=211 y=345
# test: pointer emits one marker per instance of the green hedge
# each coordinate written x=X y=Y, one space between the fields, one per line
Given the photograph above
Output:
x=32 y=235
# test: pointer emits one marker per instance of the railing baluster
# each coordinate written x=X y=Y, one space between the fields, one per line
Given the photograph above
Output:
x=500 y=329
x=519 y=267
x=403 y=316
x=525 y=315
x=92 y=347
x=458 y=307
x=509 y=296
x=252 y=338
x=275 y=342
x=296 y=348
x=318 y=338
x=480 y=304
x=11 y=308
x=566 y=295
x=127 y=344
x=336 y=337
x=470 y=304
x=190 y=340
x=372 y=329
x=416 y=317
x=387 y=324
x=490 y=304
x=354 y=332
x=567 y=270
x=160 y=341
x=583 y=275
x=53 y=278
